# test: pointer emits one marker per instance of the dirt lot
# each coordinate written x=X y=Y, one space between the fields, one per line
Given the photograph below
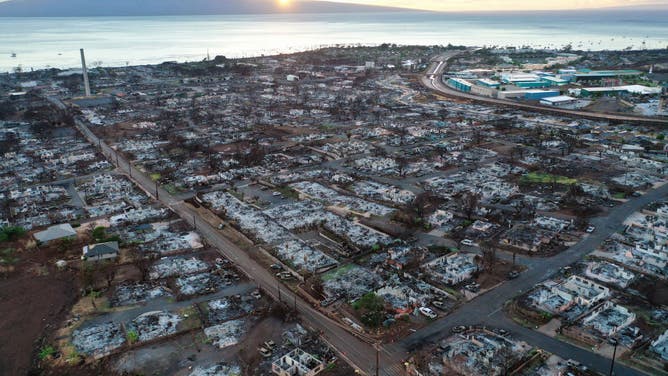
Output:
x=499 y=274
x=655 y=291
x=35 y=297
x=30 y=307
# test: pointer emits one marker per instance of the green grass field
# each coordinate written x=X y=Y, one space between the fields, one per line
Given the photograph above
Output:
x=542 y=178
x=337 y=272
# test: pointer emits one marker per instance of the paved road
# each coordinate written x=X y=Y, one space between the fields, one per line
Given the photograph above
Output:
x=433 y=81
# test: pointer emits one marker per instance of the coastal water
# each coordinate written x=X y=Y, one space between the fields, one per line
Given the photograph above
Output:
x=117 y=41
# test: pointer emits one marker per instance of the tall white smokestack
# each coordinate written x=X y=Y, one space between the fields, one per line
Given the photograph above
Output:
x=85 y=73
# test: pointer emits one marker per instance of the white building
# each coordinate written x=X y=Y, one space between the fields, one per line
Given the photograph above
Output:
x=561 y=100
x=519 y=77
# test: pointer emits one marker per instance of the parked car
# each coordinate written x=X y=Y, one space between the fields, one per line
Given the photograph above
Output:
x=473 y=287
x=270 y=344
x=327 y=302
x=513 y=274
x=590 y=229
x=256 y=294
x=467 y=242
x=264 y=352
x=276 y=267
x=428 y=312
x=438 y=304
x=458 y=329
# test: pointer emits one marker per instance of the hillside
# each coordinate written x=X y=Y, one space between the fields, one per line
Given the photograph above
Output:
x=76 y=8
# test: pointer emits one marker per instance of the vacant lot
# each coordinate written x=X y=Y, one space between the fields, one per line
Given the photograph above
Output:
x=29 y=307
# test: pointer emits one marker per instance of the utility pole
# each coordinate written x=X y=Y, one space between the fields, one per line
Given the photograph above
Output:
x=194 y=221
x=278 y=285
x=377 y=346
x=157 y=197
x=613 y=342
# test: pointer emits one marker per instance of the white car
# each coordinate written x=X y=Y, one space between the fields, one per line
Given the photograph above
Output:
x=467 y=242
x=590 y=229
x=264 y=352
x=428 y=312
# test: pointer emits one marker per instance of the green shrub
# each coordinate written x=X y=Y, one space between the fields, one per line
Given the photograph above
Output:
x=132 y=336
x=99 y=233
x=7 y=256
x=46 y=352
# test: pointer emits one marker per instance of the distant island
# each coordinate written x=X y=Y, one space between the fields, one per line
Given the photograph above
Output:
x=87 y=8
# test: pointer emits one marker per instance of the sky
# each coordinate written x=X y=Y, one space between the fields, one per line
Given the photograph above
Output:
x=491 y=5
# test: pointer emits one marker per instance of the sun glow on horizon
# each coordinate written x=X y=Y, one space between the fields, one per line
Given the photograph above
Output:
x=284 y=3
x=505 y=5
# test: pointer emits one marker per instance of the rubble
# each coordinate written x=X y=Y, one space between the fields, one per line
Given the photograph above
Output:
x=226 y=334
x=452 y=269
x=224 y=309
x=220 y=369
x=135 y=293
x=154 y=324
x=173 y=266
x=98 y=340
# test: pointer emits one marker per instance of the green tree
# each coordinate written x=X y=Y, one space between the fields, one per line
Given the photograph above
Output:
x=99 y=233
x=371 y=308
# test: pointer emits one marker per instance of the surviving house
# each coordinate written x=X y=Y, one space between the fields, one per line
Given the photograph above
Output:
x=100 y=251
x=56 y=232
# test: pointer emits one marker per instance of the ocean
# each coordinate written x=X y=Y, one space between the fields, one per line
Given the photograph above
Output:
x=117 y=41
